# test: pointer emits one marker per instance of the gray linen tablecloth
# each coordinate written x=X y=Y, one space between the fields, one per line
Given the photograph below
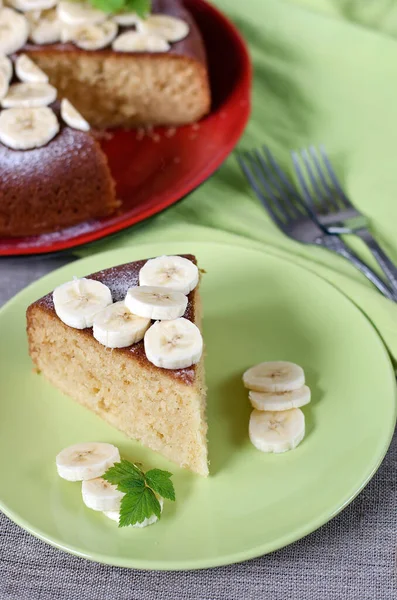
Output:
x=353 y=557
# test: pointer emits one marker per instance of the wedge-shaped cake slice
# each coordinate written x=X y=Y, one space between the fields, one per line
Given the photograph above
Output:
x=162 y=408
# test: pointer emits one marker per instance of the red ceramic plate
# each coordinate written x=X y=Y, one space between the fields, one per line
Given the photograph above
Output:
x=153 y=172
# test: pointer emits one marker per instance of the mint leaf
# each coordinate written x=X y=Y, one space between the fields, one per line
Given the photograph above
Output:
x=138 y=505
x=124 y=472
x=108 y=6
x=141 y=7
x=160 y=483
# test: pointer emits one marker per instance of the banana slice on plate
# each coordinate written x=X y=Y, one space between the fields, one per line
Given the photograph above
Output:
x=99 y=494
x=6 y=67
x=14 y=30
x=29 y=95
x=174 y=272
x=27 y=71
x=29 y=5
x=126 y=18
x=156 y=303
x=72 y=117
x=134 y=41
x=173 y=344
x=27 y=128
x=94 y=36
x=276 y=432
x=115 y=516
x=45 y=27
x=277 y=376
x=79 y=13
x=165 y=26
x=81 y=462
x=77 y=302
x=281 y=400
x=117 y=327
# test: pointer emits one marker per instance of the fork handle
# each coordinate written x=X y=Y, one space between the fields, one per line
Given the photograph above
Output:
x=334 y=243
x=385 y=263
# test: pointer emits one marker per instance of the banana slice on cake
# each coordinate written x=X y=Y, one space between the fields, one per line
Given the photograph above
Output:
x=117 y=327
x=6 y=67
x=115 y=516
x=45 y=27
x=81 y=462
x=135 y=41
x=27 y=71
x=165 y=26
x=72 y=117
x=173 y=344
x=276 y=431
x=156 y=303
x=93 y=36
x=99 y=494
x=280 y=400
x=27 y=128
x=77 y=302
x=277 y=376
x=79 y=13
x=29 y=5
x=14 y=31
x=173 y=272
x=29 y=95
x=126 y=19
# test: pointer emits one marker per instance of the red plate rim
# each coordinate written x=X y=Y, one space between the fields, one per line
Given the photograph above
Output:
x=243 y=85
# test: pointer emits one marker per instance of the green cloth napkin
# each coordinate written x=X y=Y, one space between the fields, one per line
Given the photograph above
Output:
x=317 y=79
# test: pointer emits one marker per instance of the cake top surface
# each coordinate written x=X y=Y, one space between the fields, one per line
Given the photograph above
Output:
x=119 y=279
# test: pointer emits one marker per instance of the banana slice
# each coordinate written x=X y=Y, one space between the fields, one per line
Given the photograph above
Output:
x=29 y=95
x=134 y=41
x=117 y=327
x=72 y=117
x=94 y=37
x=6 y=67
x=27 y=128
x=81 y=462
x=278 y=376
x=27 y=71
x=169 y=28
x=101 y=495
x=14 y=30
x=281 y=400
x=173 y=344
x=77 y=302
x=156 y=302
x=277 y=431
x=45 y=27
x=115 y=516
x=174 y=272
x=126 y=19
x=79 y=13
x=3 y=84
x=29 y=5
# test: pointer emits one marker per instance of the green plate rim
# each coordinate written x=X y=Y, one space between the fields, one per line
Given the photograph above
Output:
x=257 y=551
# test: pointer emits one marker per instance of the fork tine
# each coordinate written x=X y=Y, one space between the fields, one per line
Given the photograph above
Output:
x=333 y=177
x=320 y=173
x=269 y=177
x=298 y=170
x=252 y=181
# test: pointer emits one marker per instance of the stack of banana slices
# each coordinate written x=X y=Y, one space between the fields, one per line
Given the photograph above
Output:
x=53 y=21
x=87 y=462
x=172 y=342
x=277 y=391
x=27 y=121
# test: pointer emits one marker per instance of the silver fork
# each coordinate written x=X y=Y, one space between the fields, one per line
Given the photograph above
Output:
x=289 y=211
x=332 y=208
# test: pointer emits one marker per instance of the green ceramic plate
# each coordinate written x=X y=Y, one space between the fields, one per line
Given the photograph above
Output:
x=257 y=307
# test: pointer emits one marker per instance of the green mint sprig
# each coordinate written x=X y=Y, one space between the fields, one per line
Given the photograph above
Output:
x=140 y=501
x=140 y=7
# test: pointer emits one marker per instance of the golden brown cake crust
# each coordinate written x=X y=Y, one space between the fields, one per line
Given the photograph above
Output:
x=119 y=279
